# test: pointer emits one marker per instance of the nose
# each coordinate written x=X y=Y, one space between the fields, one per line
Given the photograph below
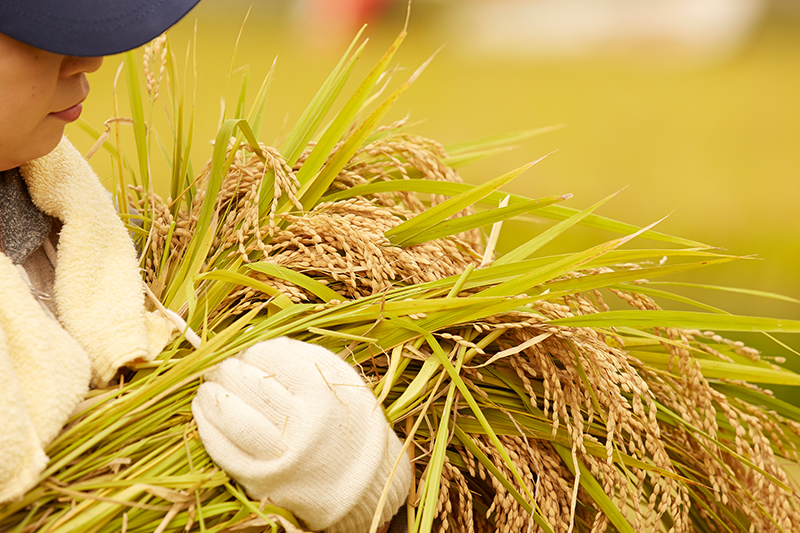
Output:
x=72 y=65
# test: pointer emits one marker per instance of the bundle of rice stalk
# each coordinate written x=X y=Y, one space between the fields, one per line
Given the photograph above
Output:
x=527 y=402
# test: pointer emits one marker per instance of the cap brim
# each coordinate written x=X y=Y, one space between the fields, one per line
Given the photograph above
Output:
x=90 y=27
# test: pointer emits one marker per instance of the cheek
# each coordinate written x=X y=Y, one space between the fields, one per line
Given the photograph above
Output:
x=26 y=131
x=19 y=110
x=26 y=96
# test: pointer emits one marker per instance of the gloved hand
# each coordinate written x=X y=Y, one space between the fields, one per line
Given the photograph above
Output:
x=295 y=424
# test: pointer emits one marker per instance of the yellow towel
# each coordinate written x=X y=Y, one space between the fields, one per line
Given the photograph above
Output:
x=45 y=369
x=98 y=288
x=44 y=373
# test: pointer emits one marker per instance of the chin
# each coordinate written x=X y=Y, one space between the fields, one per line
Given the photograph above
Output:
x=43 y=147
x=31 y=146
x=28 y=154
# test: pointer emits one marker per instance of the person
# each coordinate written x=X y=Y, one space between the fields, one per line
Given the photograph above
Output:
x=290 y=421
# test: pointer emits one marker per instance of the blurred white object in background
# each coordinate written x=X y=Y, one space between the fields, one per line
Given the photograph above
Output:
x=697 y=29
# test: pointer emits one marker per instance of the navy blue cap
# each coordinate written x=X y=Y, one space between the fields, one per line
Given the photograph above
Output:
x=89 y=27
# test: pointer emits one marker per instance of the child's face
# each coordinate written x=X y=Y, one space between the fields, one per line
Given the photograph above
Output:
x=40 y=93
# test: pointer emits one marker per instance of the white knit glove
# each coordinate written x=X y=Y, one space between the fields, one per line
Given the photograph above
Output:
x=295 y=424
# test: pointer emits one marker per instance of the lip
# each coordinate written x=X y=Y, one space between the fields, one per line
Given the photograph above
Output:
x=70 y=114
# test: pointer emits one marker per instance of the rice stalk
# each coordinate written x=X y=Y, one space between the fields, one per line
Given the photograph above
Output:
x=531 y=400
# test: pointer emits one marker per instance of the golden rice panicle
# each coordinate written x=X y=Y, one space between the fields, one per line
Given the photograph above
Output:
x=621 y=398
x=543 y=472
x=162 y=229
x=155 y=56
x=764 y=502
x=405 y=156
x=556 y=364
x=459 y=504
x=343 y=244
x=594 y=395
x=238 y=199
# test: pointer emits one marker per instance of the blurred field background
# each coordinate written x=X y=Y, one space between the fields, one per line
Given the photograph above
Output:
x=694 y=106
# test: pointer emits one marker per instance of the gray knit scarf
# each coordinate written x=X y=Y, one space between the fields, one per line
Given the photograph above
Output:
x=23 y=227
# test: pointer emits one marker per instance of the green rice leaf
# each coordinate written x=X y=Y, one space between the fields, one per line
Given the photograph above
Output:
x=468 y=152
x=312 y=117
x=458 y=286
x=341 y=335
x=238 y=279
x=393 y=330
x=557 y=212
x=137 y=114
x=402 y=233
x=735 y=290
x=497 y=141
x=428 y=306
x=525 y=282
x=526 y=250
x=606 y=279
x=458 y=382
x=759 y=398
x=430 y=494
x=465 y=439
x=494 y=274
x=443 y=188
x=262 y=509
x=715 y=369
x=313 y=190
x=454 y=226
x=552 y=212
x=178 y=151
x=321 y=152
x=595 y=491
x=462 y=160
x=195 y=255
x=241 y=101
x=415 y=390
x=644 y=288
x=680 y=319
x=189 y=268
x=314 y=287
x=256 y=116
